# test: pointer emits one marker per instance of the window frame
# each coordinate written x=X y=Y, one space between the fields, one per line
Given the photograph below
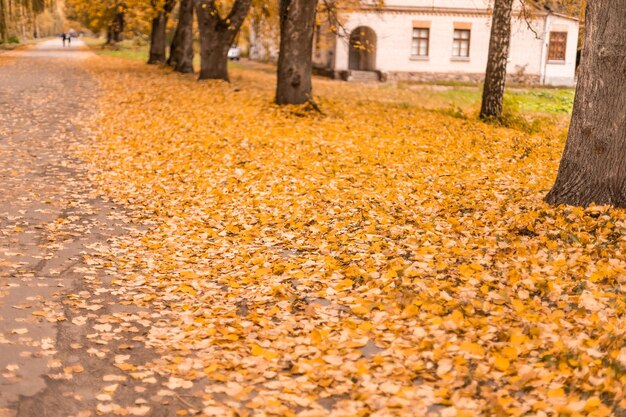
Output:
x=557 y=46
x=416 y=42
x=456 y=51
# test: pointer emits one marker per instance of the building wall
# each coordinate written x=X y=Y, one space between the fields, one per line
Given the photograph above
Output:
x=526 y=47
x=394 y=32
x=324 y=45
x=562 y=73
x=393 y=28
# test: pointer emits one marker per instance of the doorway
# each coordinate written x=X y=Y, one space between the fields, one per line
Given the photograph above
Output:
x=362 y=54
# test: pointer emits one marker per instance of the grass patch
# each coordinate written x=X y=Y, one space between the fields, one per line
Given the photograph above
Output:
x=135 y=49
x=527 y=100
x=529 y=109
x=552 y=101
x=15 y=43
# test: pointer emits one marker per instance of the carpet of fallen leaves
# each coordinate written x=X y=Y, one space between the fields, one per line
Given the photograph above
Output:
x=377 y=259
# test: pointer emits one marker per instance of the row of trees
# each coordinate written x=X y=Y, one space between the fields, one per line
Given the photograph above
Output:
x=219 y=23
x=592 y=168
x=218 y=28
x=113 y=17
x=25 y=19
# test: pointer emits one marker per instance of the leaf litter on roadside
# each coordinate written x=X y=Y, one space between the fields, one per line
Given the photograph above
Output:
x=376 y=260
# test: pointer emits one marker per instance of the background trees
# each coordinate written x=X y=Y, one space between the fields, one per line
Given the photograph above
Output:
x=115 y=18
x=219 y=24
x=108 y=16
x=25 y=19
x=262 y=30
x=4 y=22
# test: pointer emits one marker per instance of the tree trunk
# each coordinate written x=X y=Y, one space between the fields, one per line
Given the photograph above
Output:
x=593 y=166
x=115 y=29
x=216 y=36
x=297 y=24
x=181 y=50
x=495 y=76
x=159 y=34
x=4 y=22
x=157 y=39
x=118 y=27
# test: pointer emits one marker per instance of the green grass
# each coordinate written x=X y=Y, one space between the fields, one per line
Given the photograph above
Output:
x=136 y=50
x=126 y=54
x=551 y=101
x=128 y=49
x=16 y=43
x=531 y=100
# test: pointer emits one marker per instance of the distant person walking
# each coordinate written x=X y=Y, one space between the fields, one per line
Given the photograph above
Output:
x=69 y=39
x=64 y=37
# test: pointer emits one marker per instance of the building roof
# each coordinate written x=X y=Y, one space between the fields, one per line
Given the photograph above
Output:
x=564 y=8
x=471 y=7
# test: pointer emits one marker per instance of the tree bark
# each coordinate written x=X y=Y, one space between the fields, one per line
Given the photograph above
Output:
x=4 y=22
x=216 y=36
x=158 y=34
x=297 y=24
x=495 y=76
x=181 y=50
x=593 y=166
x=115 y=29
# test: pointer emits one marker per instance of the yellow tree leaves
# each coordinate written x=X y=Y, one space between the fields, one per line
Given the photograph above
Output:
x=379 y=259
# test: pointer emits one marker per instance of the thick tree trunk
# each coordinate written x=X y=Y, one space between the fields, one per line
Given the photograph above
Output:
x=593 y=166
x=159 y=34
x=495 y=76
x=157 y=39
x=216 y=36
x=214 y=56
x=181 y=50
x=297 y=23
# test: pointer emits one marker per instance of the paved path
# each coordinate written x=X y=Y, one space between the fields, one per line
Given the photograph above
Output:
x=50 y=218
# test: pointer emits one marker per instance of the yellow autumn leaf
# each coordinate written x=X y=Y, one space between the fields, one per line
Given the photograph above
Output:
x=344 y=284
x=501 y=363
x=472 y=348
x=556 y=393
x=265 y=353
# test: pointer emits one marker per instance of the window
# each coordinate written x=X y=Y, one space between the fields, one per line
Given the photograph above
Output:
x=557 y=46
x=318 y=36
x=461 y=43
x=419 y=45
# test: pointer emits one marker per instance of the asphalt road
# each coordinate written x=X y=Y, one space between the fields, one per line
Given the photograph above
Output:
x=51 y=217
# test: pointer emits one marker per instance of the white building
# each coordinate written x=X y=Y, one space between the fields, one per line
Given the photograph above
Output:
x=431 y=40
